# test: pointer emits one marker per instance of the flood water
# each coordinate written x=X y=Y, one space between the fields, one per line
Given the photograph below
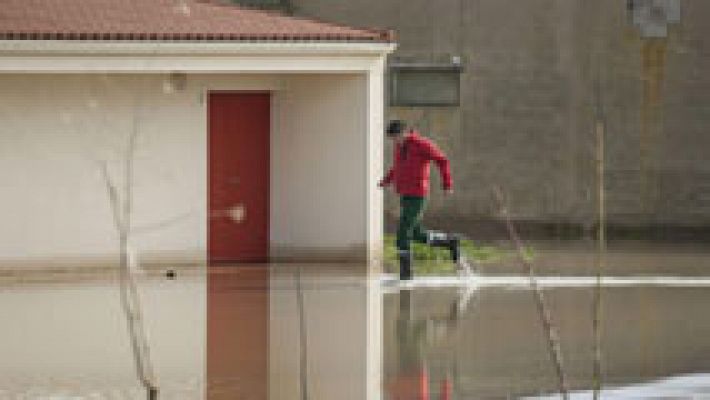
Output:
x=492 y=344
x=270 y=332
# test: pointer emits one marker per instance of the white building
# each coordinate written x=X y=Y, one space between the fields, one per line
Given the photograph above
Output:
x=257 y=136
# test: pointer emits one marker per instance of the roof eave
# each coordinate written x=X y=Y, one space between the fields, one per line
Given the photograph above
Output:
x=24 y=56
x=196 y=48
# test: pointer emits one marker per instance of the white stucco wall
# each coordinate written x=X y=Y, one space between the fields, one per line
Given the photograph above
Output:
x=57 y=128
x=319 y=185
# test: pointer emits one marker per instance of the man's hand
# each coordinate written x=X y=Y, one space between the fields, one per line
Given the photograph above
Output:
x=448 y=192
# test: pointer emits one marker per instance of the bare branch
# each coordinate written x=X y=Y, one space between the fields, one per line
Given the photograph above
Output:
x=113 y=197
x=553 y=339
x=303 y=335
x=601 y=261
x=122 y=207
x=128 y=170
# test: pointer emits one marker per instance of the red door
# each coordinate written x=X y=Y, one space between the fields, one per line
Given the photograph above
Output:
x=239 y=127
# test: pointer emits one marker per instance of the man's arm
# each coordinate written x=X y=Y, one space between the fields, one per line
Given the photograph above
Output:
x=388 y=178
x=442 y=163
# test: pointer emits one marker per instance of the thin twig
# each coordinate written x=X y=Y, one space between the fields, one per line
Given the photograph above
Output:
x=130 y=299
x=601 y=252
x=599 y=128
x=112 y=195
x=139 y=344
x=303 y=336
x=128 y=171
x=553 y=340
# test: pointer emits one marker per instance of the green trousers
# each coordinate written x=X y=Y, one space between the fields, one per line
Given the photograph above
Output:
x=410 y=222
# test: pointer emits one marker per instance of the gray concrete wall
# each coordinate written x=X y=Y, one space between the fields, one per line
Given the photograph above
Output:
x=533 y=71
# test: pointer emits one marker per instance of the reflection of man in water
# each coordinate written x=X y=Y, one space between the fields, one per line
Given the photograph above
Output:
x=410 y=175
x=413 y=337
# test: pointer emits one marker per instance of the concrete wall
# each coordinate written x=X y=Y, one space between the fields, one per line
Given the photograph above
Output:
x=528 y=106
x=57 y=129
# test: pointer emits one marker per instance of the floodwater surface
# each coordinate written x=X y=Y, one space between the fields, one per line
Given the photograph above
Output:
x=285 y=332
x=489 y=343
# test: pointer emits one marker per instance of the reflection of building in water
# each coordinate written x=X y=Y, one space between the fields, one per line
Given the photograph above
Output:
x=492 y=348
x=66 y=337
x=343 y=320
x=233 y=334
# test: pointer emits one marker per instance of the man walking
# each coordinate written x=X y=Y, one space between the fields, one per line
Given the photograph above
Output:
x=410 y=175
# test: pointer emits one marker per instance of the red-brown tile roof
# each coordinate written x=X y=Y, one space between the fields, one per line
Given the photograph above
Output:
x=168 y=20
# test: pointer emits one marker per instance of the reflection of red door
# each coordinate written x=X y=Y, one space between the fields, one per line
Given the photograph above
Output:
x=237 y=333
x=239 y=127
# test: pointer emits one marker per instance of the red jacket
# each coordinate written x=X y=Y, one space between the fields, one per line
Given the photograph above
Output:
x=410 y=172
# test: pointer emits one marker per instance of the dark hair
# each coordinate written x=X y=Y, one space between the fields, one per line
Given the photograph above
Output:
x=395 y=127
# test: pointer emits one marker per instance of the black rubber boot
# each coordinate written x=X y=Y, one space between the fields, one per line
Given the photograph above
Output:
x=447 y=241
x=405 y=266
x=455 y=248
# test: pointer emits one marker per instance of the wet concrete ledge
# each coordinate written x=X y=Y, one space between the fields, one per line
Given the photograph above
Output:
x=76 y=268
x=92 y=269
x=489 y=229
x=622 y=258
